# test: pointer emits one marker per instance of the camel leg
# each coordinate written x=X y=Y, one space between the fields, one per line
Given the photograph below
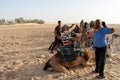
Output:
x=55 y=63
x=47 y=65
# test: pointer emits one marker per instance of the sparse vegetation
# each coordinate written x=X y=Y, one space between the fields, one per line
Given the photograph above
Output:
x=20 y=20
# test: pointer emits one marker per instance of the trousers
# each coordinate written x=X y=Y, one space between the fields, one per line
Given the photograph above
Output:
x=100 y=58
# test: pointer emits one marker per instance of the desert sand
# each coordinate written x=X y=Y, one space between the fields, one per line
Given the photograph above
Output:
x=24 y=51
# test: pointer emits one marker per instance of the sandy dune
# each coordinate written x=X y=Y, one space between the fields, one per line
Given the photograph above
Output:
x=24 y=50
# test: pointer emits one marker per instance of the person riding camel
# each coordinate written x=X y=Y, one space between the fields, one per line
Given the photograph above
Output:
x=58 y=30
x=69 y=55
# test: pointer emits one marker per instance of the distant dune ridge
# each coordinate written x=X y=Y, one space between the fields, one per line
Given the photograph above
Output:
x=24 y=51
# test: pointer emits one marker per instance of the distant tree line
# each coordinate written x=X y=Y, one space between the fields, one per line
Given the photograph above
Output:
x=20 y=20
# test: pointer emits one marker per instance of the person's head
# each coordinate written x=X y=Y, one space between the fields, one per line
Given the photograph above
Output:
x=92 y=24
x=104 y=24
x=81 y=23
x=85 y=23
x=98 y=24
x=65 y=28
x=77 y=26
x=59 y=23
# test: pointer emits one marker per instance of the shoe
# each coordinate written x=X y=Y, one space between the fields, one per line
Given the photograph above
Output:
x=100 y=76
x=95 y=71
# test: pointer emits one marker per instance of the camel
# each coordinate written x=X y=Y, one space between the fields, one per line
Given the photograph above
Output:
x=54 y=62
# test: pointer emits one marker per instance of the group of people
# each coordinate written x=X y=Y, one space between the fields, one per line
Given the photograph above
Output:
x=97 y=30
x=57 y=32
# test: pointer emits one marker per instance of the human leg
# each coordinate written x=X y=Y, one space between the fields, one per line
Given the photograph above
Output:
x=102 y=60
x=54 y=44
x=97 y=59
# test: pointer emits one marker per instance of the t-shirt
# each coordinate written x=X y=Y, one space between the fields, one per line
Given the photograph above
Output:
x=58 y=30
x=100 y=39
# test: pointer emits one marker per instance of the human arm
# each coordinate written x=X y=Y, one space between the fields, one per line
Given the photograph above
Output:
x=112 y=30
x=109 y=30
x=71 y=26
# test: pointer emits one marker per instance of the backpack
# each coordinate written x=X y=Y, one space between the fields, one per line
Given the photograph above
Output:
x=67 y=53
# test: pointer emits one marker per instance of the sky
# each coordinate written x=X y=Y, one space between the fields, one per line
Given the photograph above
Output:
x=70 y=11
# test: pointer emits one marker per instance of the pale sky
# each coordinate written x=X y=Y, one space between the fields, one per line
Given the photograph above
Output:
x=71 y=11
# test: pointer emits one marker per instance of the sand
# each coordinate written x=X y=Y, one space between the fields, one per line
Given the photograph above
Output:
x=24 y=51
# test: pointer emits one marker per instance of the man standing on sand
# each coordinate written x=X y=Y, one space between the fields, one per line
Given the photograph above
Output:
x=57 y=33
x=100 y=45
